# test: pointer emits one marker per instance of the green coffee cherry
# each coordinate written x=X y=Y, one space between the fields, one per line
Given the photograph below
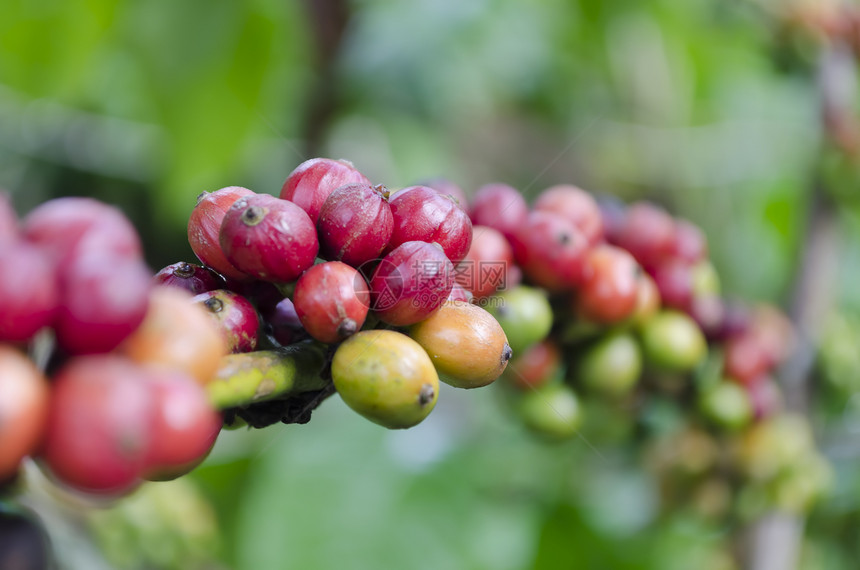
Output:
x=553 y=411
x=386 y=377
x=727 y=405
x=525 y=315
x=611 y=365
x=672 y=342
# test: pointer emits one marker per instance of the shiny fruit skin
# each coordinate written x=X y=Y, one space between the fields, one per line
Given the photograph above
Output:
x=422 y=214
x=575 y=204
x=193 y=278
x=268 y=238
x=610 y=282
x=550 y=251
x=552 y=411
x=103 y=299
x=485 y=267
x=29 y=292
x=99 y=429
x=537 y=365
x=500 y=207
x=446 y=187
x=525 y=315
x=65 y=226
x=466 y=344
x=185 y=425
x=611 y=365
x=386 y=377
x=311 y=183
x=411 y=282
x=236 y=317
x=24 y=397
x=204 y=225
x=355 y=224
x=331 y=300
x=177 y=334
x=672 y=342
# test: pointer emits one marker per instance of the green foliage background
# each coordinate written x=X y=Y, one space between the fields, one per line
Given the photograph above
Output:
x=699 y=105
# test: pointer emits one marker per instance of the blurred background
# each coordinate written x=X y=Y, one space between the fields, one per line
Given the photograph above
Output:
x=738 y=115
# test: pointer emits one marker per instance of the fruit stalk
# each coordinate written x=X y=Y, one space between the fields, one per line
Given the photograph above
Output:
x=244 y=379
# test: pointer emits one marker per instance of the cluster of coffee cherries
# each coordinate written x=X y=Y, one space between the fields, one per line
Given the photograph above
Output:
x=118 y=394
x=610 y=305
x=341 y=262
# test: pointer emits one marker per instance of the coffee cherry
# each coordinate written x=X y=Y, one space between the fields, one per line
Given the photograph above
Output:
x=177 y=334
x=235 y=316
x=355 y=223
x=29 y=293
x=185 y=425
x=648 y=233
x=446 y=187
x=537 y=365
x=331 y=300
x=524 y=314
x=410 y=283
x=66 y=226
x=99 y=428
x=386 y=377
x=103 y=299
x=610 y=285
x=460 y=294
x=204 y=226
x=422 y=214
x=674 y=279
x=552 y=411
x=284 y=323
x=500 y=207
x=312 y=181
x=690 y=243
x=268 y=238
x=550 y=251
x=705 y=279
x=746 y=360
x=485 y=267
x=576 y=205
x=466 y=344
x=647 y=299
x=24 y=395
x=611 y=365
x=672 y=342
x=193 y=278
x=727 y=405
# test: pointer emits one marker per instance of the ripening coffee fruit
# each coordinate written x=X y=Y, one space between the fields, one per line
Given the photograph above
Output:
x=99 y=429
x=446 y=187
x=386 y=377
x=610 y=285
x=550 y=250
x=204 y=226
x=538 y=365
x=24 y=396
x=422 y=214
x=29 y=292
x=727 y=405
x=552 y=411
x=331 y=300
x=193 y=278
x=410 y=282
x=500 y=207
x=484 y=269
x=648 y=233
x=672 y=342
x=355 y=224
x=268 y=238
x=309 y=185
x=236 y=317
x=178 y=334
x=576 y=205
x=66 y=226
x=466 y=344
x=524 y=314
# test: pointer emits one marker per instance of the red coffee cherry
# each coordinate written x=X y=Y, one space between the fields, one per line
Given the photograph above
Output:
x=312 y=181
x=236 y=317
x=193 y=278
x=29 y=293
x=355 y=224
x=550 y=251
x=422 y=214
x=499 y=206
x=331 y=300
x=576 y=205
x=204 y=226
x=486 y=265
x=610 y=285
